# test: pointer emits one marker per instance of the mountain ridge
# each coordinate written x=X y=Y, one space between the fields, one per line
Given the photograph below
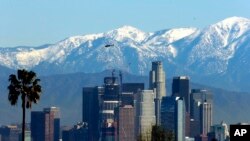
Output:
x=215 y=51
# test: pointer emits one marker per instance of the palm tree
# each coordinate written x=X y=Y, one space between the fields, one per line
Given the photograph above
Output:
x=27 y=85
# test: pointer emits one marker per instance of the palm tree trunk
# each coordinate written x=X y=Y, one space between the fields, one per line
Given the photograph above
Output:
x=23 y=124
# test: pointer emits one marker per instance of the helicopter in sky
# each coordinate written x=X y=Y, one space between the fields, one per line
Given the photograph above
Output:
x=109 y=45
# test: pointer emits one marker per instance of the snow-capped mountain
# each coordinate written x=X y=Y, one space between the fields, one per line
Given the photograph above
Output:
x=217 y=51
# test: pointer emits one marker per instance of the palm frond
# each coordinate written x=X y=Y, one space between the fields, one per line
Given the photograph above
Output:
x=24 y=83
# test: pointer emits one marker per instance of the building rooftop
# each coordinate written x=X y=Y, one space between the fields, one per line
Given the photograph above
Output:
x=181 y=77
x=127 y=106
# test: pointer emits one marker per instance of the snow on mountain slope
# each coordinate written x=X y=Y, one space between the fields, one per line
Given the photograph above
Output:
x=170 y=36
x=30 y=57
x=217 y=44
x=127 y=33
x=128 y=41
x=183 y=50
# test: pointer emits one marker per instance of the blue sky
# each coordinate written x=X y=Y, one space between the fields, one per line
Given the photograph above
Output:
x=37 y=22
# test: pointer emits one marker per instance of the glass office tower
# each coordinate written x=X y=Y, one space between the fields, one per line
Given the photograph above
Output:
x=157 y=84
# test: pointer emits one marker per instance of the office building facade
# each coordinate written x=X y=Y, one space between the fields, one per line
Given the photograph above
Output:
x=108 y=102
x=168 y=113
x=90 y=110
x=198 y=96
x=157 y=84
x=180 y=88
x=201 y=109
x=54 y=117
x=38 y=126
x=126 y=123
x=129 y=91
x=180 y=119
x=45 y=125
x=10 y=133
x=132 y=87
x=145 y=114
x=206 y=117
x=127 y=98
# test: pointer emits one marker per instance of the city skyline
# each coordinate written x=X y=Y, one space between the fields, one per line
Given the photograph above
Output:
x=111 y=104
x=67 y=121
x=124 y=70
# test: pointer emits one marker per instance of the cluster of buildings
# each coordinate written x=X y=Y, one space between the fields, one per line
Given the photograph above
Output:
x=44 y=126
x=13 y=133
x=118 y=111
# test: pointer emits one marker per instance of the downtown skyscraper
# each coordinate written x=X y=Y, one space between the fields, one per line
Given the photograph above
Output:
x=206 y=117
x=157 y=84
x=180 y=88
x=201 y=108
x=90 y=110
x=45 y=125
x=145 y=114
x=168 y=113
x=173 y=116
x=180 y=119
x=126 y=123
x=108 y=102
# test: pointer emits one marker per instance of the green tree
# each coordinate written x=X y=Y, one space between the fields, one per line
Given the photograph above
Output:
x=169 y=135
x=160 y=134
x=26 y=85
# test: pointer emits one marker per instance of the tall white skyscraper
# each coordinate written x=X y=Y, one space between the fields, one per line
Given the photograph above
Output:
x=206 y=117
x=158 y=85
x=145 y=114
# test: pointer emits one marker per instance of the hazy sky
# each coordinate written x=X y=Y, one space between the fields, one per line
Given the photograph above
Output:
x=37 y=22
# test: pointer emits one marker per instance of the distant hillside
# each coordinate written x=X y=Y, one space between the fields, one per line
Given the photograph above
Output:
x=65 y=91
x=217 y=55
